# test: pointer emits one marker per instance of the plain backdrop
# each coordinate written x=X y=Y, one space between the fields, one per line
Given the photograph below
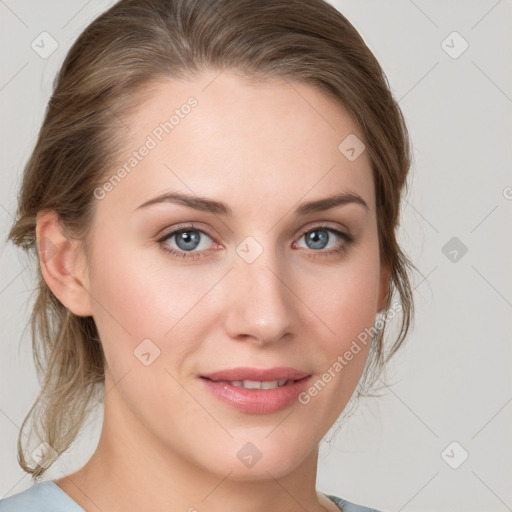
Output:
x=437 y=440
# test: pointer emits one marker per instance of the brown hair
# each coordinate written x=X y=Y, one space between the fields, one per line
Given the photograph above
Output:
x=113 y=62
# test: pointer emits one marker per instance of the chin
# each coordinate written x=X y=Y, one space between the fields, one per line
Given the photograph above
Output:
x=260 y=459
x=262 y=470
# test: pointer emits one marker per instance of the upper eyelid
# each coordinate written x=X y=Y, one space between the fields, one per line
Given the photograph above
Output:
x=186 y=227
x=168 y=232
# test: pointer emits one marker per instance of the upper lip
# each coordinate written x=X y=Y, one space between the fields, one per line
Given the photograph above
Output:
x=257 y=374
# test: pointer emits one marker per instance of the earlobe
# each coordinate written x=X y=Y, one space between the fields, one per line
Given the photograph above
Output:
x=60 y=265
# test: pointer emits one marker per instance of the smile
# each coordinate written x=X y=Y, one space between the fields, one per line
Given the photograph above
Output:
x=257 y=391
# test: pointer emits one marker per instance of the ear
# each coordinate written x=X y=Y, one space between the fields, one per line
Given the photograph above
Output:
x=62 y=264
x=385 y=277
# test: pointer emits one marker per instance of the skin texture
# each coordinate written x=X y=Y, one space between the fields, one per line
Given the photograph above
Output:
x=167 y=443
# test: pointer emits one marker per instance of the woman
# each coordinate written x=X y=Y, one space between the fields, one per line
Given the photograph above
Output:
x=213 y=198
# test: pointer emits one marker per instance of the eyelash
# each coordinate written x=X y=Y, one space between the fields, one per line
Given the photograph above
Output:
x=194 y=255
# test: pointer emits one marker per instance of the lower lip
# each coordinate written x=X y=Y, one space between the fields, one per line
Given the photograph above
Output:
x=257 y=401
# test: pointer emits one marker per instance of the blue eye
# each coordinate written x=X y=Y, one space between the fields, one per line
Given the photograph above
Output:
x=318 y=238
x=187 y=240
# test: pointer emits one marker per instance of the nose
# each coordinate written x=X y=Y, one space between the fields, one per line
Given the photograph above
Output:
x=262 y=305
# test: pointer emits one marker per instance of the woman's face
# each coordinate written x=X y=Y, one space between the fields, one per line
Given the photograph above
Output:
x=255 y=287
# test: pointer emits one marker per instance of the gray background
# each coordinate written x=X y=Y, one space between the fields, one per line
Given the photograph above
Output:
x=452 y=381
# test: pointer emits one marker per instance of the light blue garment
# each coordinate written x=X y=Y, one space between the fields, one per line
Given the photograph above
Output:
x=41 y=497
x=49 y=497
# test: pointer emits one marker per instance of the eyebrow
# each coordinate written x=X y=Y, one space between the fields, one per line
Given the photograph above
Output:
x=220 y=208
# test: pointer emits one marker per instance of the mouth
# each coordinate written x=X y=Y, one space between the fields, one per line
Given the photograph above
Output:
x=258 y=384
x=257 y=391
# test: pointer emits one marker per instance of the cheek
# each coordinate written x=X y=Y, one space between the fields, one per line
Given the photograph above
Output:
x=345 y=298
x=139 y=296
x=123 y=305
x=345 y=301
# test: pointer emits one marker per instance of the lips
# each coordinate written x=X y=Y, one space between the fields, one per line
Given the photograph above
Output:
x=257 y=391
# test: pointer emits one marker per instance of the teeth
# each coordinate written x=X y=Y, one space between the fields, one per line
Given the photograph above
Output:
x=252 y=384
x=257 y=384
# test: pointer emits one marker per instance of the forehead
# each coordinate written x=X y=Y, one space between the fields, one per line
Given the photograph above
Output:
x=224 y=136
